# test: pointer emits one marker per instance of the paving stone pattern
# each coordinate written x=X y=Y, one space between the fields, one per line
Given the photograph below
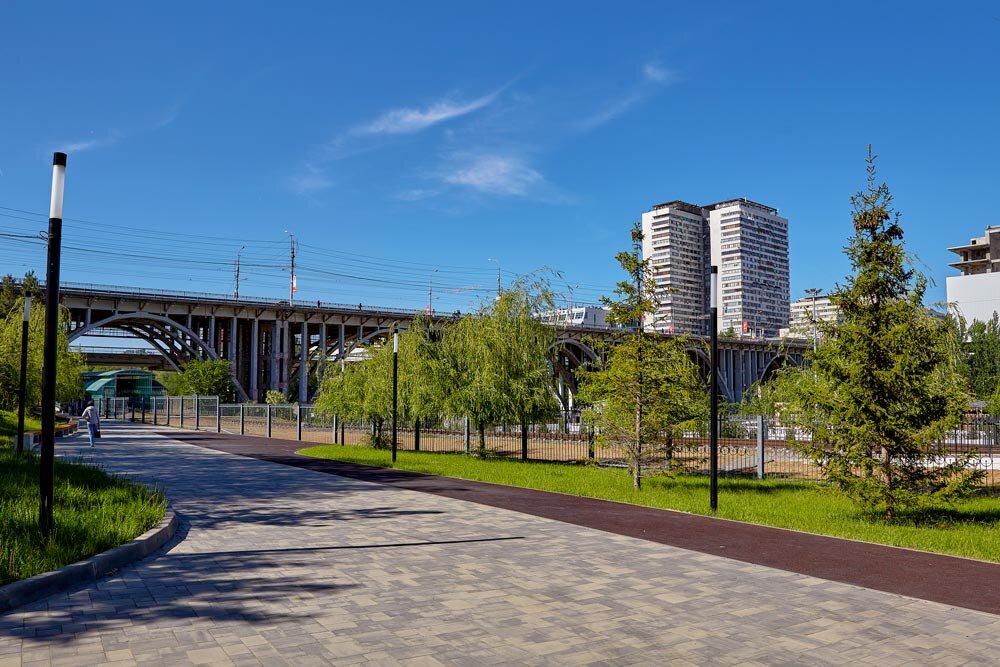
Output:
x=277 y=565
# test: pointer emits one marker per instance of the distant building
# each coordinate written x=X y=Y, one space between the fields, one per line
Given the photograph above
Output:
x=746 y=240
x=975 y=295
x=750 y=247
x=805 y=310
x=675 y=238
x=124 y=383
x=578 y=316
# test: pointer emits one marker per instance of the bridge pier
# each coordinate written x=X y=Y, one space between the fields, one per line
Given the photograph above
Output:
x=254 y=357
x=304 y=363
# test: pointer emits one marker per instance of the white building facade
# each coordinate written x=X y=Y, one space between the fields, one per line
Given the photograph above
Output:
x=749 y=244
x=975 y=295
x=675 y=238
x=746 y=240
x=809 y=309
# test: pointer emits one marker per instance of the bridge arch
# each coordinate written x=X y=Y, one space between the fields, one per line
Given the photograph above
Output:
x=776 y=363
x=702 y=359
x=176 y=342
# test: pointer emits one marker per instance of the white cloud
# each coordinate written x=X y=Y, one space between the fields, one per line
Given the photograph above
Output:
x=495 y=174
x=116 y=135
x=409 y=121
x=309 y=181
x=416 y=194
x=654 y=77
x=658 y=74
x=80 y=146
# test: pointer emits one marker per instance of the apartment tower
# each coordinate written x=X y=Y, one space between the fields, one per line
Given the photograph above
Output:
x=675 y=237
x=746 y=240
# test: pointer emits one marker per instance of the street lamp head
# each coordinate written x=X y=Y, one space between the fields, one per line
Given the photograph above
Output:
x=58 y=185
x=714 y=293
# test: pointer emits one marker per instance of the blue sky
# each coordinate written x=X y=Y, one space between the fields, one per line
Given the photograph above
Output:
x=394 y=139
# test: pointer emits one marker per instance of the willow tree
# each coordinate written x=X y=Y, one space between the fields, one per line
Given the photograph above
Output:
x=69 y=364
x=362 y=391
x=648 y=390
x=494 y=364
x=884 y=387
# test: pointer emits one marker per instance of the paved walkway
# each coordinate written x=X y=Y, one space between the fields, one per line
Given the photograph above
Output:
x=281 y=565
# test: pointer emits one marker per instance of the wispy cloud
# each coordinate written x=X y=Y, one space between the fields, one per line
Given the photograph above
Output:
x=409 y=121
x=117 y=135
x=654 y=78
x=494 y=174
x=417 y=194
x=310 y=180
x=658 y=73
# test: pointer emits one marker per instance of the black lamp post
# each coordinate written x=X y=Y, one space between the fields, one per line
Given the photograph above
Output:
x=22 y=388
x=47 y=471
x=713 y=429
x=395 y=384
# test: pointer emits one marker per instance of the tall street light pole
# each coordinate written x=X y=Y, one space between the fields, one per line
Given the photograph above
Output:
x=51 y=341
x=23 y=386
x=713 y=429
x=813 y=292
x=395 y=385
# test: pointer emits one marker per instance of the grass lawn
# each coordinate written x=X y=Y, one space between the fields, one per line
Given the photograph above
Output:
x=8 y=425
x=93 y=512
x=971 y=528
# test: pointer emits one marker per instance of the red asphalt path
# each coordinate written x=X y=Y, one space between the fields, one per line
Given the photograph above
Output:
x=949 y=580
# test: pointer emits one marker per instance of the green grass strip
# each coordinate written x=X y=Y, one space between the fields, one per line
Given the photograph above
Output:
x=93 y=512
x=970 y=528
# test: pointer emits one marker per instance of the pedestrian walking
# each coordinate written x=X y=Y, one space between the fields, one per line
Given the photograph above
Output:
x=93 y=421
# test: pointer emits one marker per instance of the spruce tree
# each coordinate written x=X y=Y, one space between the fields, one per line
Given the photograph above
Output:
x=885 y=387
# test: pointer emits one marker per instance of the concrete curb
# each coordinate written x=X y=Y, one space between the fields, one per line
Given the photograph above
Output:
x=34 y=588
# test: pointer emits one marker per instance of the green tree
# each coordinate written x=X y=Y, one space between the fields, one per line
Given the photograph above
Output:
x=68 y=367
x=206 y=377
x=275 y=397
x=981 y=356
x=494 y=364
x=11 y=292
x=649 y=389
x=884 y=386
x=362 y=391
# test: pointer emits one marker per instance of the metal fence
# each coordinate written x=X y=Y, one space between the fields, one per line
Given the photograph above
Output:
x=748 y=446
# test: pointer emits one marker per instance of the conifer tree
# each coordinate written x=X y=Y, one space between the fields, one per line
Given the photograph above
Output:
x=884 y=387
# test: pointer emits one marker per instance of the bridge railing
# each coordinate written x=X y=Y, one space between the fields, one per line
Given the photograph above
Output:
x=748 y=446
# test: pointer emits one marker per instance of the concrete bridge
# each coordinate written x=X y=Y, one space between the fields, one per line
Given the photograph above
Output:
x=272 y=344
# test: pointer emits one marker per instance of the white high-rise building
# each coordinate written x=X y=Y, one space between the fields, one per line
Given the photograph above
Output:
x=746 y=240
x=749 y=244
x=675 y=238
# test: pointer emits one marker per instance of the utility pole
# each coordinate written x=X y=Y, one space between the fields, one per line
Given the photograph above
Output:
x=498 y=274
x=236 y=290
x=46 y=481
x=813 y=292
x=430 y=293
x=291 y=285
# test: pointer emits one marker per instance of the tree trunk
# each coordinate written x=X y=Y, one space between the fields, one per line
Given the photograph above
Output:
x=637 y=474
x=482 y=440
